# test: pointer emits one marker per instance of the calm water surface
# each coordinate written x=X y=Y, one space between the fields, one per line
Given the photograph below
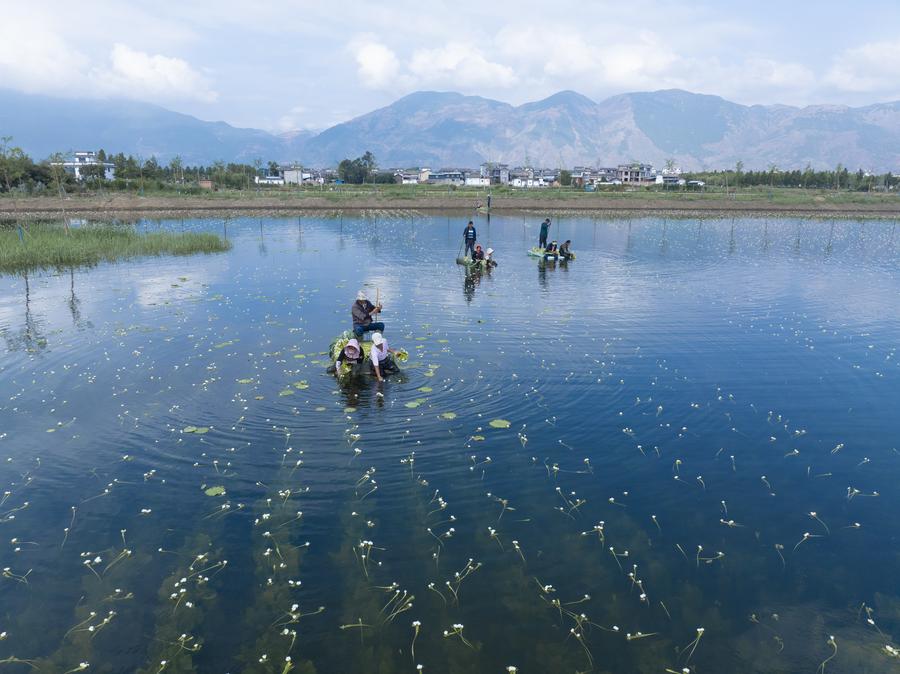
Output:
x=703 y=439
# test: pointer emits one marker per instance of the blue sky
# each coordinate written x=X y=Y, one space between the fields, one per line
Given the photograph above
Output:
x=294 y=64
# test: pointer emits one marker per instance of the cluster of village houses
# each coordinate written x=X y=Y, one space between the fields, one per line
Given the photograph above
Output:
x=489 y=173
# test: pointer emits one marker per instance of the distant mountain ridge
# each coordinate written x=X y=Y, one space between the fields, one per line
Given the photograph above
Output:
x=443 y=129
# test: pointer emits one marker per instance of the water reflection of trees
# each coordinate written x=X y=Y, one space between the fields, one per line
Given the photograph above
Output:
x=31 y=336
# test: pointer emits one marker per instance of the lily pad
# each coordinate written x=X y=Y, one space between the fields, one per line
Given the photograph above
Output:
x=499 y=423
x=214 y=491
x=301 y=385
x=448 y=415
x=349 y=410
x=286 y=392
x=245 y=381
x=426 y=389
x=189 y=429
x=413 y=404
x=477 y=438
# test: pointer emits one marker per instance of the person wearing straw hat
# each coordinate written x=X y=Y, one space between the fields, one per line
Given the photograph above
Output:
x=363 y=311
x=382 y=357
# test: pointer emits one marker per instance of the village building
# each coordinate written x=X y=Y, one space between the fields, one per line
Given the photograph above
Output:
x=635 y=173
x=85 y=164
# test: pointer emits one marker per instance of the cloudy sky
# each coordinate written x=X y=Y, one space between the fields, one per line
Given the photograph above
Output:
x=293 y=64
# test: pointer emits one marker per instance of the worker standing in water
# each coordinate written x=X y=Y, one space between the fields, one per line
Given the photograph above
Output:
x=470 y=236
x=545 y=230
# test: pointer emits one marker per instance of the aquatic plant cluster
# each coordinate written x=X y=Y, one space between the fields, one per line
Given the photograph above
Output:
x=677 y=454
x=35 y=246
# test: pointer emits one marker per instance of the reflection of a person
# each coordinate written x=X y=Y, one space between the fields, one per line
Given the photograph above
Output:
x=470 y=281
x=542 y=271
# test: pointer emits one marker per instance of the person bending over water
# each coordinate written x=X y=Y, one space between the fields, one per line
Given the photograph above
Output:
x=352 y=353
x=382 y=357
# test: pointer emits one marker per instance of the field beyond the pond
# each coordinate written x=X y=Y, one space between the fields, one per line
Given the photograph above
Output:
x=434 y=198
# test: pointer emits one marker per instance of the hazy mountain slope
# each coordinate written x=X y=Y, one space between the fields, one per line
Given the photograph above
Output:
x=43 y=125
x=440 y=129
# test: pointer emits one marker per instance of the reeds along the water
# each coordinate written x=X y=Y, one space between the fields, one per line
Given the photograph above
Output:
x=41 y=246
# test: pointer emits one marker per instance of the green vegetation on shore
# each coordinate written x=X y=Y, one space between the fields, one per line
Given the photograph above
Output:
x=45 y=246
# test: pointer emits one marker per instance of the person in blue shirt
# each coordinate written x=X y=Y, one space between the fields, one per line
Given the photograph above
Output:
x=545 y=230
x=470 y=236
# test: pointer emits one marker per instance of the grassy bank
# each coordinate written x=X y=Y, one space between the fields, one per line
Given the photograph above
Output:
x=170 y=203
x=43 y=246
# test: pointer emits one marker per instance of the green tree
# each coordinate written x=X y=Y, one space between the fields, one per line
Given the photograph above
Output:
x=369 y=165
x=176 y=167
x=738 y=172
x=358 y=171
x=58 y=172
x=565 y=178
x=13 y=163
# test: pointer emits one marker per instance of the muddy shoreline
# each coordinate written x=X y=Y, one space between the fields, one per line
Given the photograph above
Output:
x=130 y=206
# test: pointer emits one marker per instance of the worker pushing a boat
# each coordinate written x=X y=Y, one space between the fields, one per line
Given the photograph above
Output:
x=545 y=231
x=470 y=236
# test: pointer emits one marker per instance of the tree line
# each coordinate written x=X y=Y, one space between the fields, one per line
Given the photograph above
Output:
x=19 y=172
x=840 y=178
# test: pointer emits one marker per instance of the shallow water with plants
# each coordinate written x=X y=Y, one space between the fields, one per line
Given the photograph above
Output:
x=678 y=453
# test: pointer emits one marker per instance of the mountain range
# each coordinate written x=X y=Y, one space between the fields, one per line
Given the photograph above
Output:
x=445 y=129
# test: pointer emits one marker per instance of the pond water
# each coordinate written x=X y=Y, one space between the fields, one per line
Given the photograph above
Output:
x=699 y=470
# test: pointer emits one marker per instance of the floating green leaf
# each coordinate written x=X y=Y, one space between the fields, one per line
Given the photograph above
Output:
x=301 y=385
x=214 y=491
x=245 y=381
x=499 y=423
x=286 y=392
x=448 y=415
x=426 y=389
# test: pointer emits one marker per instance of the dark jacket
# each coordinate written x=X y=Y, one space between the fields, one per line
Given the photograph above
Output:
x=545 y=228
x=469 y=234
x=477 y=254
x=361 y=311
x=564 y=248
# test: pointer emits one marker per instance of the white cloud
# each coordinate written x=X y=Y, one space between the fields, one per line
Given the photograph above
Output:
x=869 y=68
x=378 y=66
x=459 y=65
x=39 y=55
x=455 y=65
x=133 y=73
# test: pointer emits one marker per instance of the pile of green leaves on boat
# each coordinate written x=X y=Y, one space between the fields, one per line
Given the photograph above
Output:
x=550 y=255
x=473 y=264
x=346 y=368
